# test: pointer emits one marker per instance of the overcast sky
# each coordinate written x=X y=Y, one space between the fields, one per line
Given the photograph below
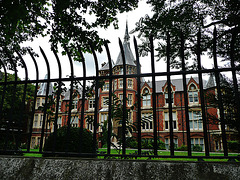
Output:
x=112 y=34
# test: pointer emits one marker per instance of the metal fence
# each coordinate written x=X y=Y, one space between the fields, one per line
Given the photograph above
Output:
x=14 y=124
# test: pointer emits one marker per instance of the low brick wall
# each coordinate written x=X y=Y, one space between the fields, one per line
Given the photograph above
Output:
x=72 y=168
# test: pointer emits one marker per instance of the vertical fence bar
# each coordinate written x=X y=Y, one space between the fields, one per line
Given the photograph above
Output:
x=34 y=101
x=46 y=100
x=96 y=101
x=70 y=100
x=124 y=100
x=83 y=100
x=219 y=93
x=13 y=110
x=58 y=97
x=110 y=100
x=154 y=96
x=202 y=94
x=185 y=96
x=4 y=91
x=169 y=96
x=235 y=81
x=139 y=125
x=23 y=100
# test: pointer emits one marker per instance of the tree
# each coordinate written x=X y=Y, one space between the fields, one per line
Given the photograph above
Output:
x=14 y=112
x=69 y=23
x=229 y=103
x=188 y=17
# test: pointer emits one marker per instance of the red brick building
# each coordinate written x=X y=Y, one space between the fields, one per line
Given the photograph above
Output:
x=162 y=100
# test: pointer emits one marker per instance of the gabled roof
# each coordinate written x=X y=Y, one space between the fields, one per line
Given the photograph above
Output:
x=43 y=88
x=106 y=66
x=178 y=83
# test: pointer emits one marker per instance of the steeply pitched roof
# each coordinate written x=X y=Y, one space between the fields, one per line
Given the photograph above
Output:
x=106 y=66
x=127 y=51
x=43 y=88
x=178 y=83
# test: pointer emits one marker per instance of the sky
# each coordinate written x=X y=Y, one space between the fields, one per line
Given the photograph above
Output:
x=111 y=34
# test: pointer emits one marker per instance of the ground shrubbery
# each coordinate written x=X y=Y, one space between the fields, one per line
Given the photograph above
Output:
x=234 y=146
x=146 y=143
x=72 y=142
x=197 y=148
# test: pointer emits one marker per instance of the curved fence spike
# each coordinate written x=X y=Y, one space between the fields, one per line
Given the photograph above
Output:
x=46 y=100
x=109 y=99
x=34 y=100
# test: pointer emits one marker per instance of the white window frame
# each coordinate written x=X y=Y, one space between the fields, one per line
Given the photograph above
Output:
x=197 y=141
x=104 y=99
x=91 y=103
x=195 y=121
x=130 y=83
x=59 y=121
x=147 y=126
x=166 y=120
x=120 y=83
x=74 y=121
x=167 y=143
x=106 y=86
x=130 y=99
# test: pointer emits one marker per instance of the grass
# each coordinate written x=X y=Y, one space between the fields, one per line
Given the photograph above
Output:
x=160 y=153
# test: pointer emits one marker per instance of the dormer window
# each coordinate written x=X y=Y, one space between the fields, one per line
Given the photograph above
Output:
x=121 y=70
x=193 y=94
x=167 y=98
x=129 y=70
x=146 y=98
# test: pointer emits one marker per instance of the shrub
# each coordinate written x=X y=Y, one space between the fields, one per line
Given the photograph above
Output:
x=234 y=146
x=182 y=148
x=131 y=142
x=197 y=148
x=72 y=142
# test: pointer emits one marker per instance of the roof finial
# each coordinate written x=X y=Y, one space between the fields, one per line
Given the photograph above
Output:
x=126 y=36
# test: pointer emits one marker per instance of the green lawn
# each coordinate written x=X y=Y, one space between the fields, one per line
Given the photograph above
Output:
x=160 y=153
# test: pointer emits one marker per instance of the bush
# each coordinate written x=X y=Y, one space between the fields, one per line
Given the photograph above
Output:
x=197 y=148
x=131 y=142
x=24 y=146
x=182 y=148
x=149 y=144
x=234 y=146
x=72 y=142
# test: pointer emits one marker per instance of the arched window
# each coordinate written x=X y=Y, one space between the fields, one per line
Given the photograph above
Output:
x=167 y=98
x=146 y=98
x=193 y=94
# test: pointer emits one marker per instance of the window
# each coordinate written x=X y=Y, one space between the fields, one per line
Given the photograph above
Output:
x=195 y=120
x=91 y=103
x=74 y=121
x=35 y=120
x=104 y=117
x=193 y=94
x=38 y=103
x=121 y=70
x=147 y=121
x=89 y=122
x=130 y=116
x=120 y=97
x=59 y=122
x=43 y=102
x=41 y=120
x=105 y=101
x=167 y=99
x=130 y=83
x=115 y=84
x=120 y=83
x=59 y=106
x=197 y=141
x=106 y=87
x=129 y=99
x=146 y=98
x=174 y=115
x=74 y=104
x=129 y=70
x=167 y=143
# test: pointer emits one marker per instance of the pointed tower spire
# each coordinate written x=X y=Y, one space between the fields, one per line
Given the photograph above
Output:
x=126 y=36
